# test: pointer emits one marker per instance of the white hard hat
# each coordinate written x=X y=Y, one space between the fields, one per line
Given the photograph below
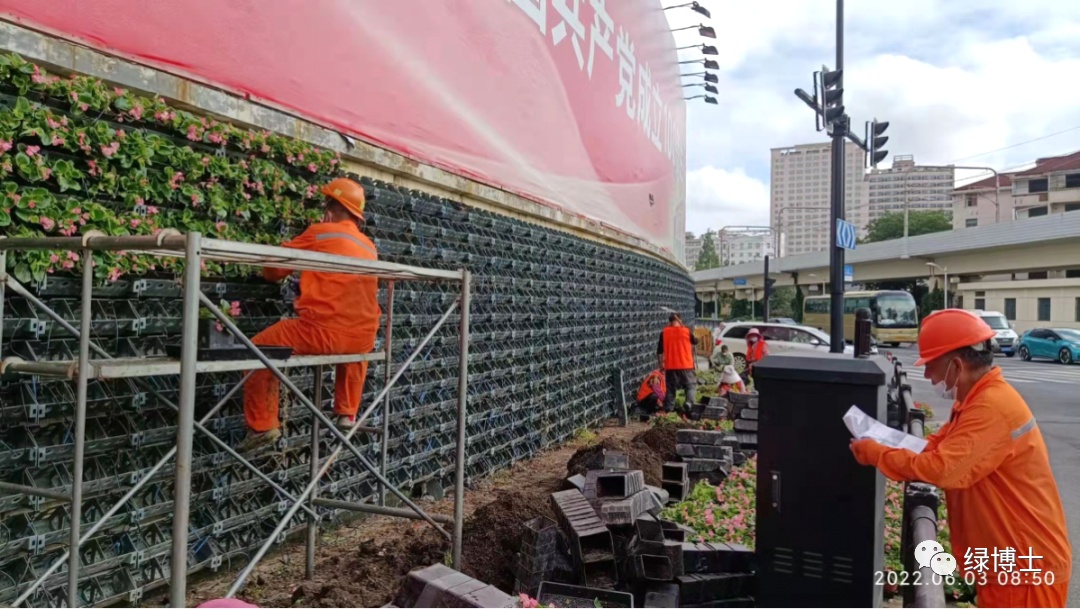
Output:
x=729 y=375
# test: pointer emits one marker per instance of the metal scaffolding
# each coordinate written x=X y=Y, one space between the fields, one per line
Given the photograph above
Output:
x=195 y=249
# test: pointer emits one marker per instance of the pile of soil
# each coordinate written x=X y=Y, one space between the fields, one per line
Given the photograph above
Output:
x=492 y=535
x=368 y=577
x=641 y=455
x=661 y=439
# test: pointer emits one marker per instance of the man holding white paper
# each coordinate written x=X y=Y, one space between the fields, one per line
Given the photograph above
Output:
x=992 y=462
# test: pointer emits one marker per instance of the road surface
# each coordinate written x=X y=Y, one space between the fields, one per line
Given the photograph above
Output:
x=1050 y=389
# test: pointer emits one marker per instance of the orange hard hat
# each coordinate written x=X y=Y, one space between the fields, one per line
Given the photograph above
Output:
x=948 y=330
x=348 y=193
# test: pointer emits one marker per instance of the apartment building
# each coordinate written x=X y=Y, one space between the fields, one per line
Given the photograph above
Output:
x=910 y=186
x=799 y=198
x=1052 y=186
x=740 y=246
x=693 y=248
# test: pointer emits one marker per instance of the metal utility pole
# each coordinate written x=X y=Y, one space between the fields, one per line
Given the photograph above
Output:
x=836 y=253
x=768 y=291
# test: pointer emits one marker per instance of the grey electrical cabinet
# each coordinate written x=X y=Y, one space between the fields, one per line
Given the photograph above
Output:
x=820 y=515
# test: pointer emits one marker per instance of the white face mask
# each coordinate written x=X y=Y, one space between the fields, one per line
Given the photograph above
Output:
x=942 y=388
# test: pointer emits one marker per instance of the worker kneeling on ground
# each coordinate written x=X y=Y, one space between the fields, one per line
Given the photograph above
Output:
x=338 y=314
x=653 y=390
x=675 y=352
x=992 y=462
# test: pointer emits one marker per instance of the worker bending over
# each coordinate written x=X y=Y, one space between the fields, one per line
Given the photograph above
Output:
x=675 y=352
x=338 y=314
x=991 y=460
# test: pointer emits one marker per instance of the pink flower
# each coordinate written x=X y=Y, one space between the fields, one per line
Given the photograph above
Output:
x=85 y=216
x=312 y=167
x=215 y=138
x=202 y=264
x=135 y=222
x=137 y=111
x=234 y=308
x=119 y=92
x=57 y=140
x=164 y=115
x=151 y=210
x=4 y=146
x=709 y=518
x=31 y=205
x=38 y=77
x=174 y=181
x=527 y=602
x=77 y=211
x=32 y=150
x=111 y=149
x=195 y=200
x=205 y=161
x=53 y=258
x=73 y=256
x=45 y=173
x=221 y=226
x=115 y=273
x=247 y=196
x=68 y=264
x=265 y=149
x=53 y=124
x=121 y=134
x=84 y=107
x=300 y=157
x=193 y=133
x=74 y=96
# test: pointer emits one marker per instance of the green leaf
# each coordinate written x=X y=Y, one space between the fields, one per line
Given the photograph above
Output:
x=122 y=104
x=22 y=272
x=5 y=218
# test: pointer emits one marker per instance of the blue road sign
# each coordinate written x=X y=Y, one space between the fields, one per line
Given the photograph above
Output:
x=845 y=235
x=849 y=274
x=739 y=281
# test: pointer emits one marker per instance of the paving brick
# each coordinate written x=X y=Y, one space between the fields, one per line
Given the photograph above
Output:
x=750 y=413
x=673 y=550
x=620 y=484
x=701 y=451
x=673 y=471
x=661 y=495
x=738 y=458
x=626 y=510
x=745 y=425
x=714 y=413
x=710 y=557
x=677 y=491
x=675 y=531
x=576 y=481
x=653 y=567
x=648 y=528
x=589 y=540
x=695 y=436
x=698 y=588
x=662 y=595
x=708 y=465
x=719 y=402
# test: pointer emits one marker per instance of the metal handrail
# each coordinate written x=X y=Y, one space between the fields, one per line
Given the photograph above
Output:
x=919 y=519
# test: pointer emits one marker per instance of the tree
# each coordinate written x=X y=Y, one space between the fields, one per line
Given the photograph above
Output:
x=797 y=303
x=891 y=225
x=708 y=258
x=932 y=301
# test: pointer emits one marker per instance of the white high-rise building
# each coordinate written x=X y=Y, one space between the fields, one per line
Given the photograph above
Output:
x=741 y=246
x=916 y=187
x=799 y=202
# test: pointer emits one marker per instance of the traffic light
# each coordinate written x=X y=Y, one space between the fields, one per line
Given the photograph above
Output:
x=830 y=95
x=875 y=139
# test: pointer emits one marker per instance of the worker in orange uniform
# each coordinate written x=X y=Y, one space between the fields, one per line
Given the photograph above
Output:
x=652 y=392
x=338 y=314
x=756 y=349
x=675 y=352
x=992 y=462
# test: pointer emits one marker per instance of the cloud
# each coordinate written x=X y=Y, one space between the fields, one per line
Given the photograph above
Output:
x=716 y=198
x=955 y=78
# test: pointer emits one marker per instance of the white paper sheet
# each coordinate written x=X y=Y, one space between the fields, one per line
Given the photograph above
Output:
x=862 y=426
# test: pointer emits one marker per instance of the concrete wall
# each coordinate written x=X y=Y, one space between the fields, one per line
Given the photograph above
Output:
x=1063 y=294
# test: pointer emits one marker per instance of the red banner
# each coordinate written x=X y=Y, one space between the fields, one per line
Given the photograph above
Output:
x=575 y=103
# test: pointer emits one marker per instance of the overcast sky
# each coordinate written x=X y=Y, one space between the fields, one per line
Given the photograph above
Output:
x=970 y=82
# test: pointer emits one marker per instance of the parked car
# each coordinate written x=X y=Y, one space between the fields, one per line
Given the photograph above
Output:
x=783 y=320
x=779 y=337
x=1061 y=344
x=1005 y=336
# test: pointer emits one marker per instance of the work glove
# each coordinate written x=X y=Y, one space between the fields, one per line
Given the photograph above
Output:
x=867 y=452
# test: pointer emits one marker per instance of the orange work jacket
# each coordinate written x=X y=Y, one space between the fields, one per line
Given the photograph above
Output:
x=992 y=462
x=678 y=352
x=335 y=300
x=756 y=351
x=654 y=378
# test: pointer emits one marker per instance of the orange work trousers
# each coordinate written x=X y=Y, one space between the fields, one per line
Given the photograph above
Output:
x=1055 y=595
x=261 y=390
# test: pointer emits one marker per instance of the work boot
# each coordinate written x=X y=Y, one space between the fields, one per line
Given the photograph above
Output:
x=259 y=441
x=345 y=422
